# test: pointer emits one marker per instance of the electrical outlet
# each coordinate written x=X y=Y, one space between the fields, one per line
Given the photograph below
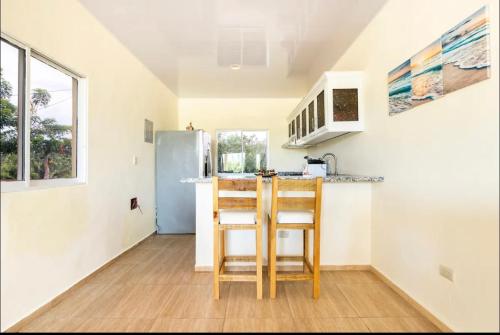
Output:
x=133 y=203
x=283 y=234
x=446 y=272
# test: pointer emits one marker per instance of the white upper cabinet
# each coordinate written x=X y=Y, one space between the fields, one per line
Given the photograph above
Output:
x=333 y=107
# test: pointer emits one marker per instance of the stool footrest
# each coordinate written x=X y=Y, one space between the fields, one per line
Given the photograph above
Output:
x=295 y=226
x=231 y=277
x=252 y=226
x=294 y=276
x=298 y=258
x=240 y=258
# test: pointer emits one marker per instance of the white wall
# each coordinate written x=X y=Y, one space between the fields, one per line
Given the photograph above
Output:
x=53 y=238
x=439 y=201
x=268 y=114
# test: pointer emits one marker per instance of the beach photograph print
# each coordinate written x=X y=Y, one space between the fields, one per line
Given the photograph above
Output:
x=466 y=52
x=399 y=82
x=427 y=74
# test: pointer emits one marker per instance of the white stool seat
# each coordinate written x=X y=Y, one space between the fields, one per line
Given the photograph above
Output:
x=237 y=217
x=295 y=217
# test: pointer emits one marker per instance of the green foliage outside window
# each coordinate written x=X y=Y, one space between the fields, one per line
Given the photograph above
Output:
x=51 y=150
x=8 y=132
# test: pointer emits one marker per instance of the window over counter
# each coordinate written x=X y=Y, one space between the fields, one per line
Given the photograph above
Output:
x=242 y=151
x=42 y=124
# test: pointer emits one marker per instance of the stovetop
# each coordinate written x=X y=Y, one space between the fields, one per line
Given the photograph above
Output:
x=289 y=173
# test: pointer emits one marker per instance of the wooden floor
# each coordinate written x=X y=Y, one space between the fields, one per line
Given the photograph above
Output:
x=153 y=288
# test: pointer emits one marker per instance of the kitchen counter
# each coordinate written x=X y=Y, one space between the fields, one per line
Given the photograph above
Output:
x=345 y=223
x=341 y=178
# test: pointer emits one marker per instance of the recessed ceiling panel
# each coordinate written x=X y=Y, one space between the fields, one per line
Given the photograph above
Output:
x=236 y=48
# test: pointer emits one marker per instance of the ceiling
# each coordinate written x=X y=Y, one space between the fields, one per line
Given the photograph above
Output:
x=280 y=46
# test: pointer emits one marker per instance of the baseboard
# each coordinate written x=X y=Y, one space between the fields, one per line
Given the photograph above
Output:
x=360 y=267
x=438 y=323
x=25 y=321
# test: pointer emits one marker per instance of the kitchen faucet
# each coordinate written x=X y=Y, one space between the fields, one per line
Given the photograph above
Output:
x=329 y=154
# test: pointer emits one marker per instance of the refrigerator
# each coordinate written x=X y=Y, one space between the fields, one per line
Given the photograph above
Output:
x=179 y=154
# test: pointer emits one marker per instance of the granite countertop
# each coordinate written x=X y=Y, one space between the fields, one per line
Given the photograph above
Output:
x=341 y=178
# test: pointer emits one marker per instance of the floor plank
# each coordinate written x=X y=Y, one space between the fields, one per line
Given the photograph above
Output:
x=259 y=325
x=331 y=303
x=188 y=325
x=376 y=300
x=242 y=303
x=317 y=325
x=195 y=302
x=407 y=324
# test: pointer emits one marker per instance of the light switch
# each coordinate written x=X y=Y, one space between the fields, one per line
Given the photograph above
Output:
x=134 y=160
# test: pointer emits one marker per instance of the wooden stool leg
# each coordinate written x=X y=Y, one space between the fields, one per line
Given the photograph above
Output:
x=268 y=248
x=316 y=263
x=258 y=262
x=306 y=247
x=216 y=261
x=222 y=250
x=272 y=281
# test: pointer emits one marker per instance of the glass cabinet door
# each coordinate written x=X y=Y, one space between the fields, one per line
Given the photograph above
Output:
x=310 y=110
x=320 y=108
x=297 y=123
x=345 y=104
x=303 y=124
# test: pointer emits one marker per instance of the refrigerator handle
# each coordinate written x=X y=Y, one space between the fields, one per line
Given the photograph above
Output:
x=208 y=163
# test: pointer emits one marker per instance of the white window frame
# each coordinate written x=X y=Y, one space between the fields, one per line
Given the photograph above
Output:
x=217 y=131
x=81 y=151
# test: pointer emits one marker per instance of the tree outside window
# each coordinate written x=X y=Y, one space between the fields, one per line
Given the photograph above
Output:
x=241 y=151
x=52 y=108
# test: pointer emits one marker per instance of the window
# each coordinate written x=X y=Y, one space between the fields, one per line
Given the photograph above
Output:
x=12 y=106
x=53 y=107
x=42 y=139
x=241 y=151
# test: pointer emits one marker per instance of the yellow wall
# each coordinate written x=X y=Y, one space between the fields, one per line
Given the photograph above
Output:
x=439 y=201
x=53 y=238
x=268 y=114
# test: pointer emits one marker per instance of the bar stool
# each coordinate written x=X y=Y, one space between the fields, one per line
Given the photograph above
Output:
x=295 y=212
x=236 y=213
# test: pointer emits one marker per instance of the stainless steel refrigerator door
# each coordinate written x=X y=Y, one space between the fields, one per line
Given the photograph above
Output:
x=177 y=157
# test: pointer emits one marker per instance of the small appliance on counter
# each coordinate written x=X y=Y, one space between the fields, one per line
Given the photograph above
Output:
x=290 y=173
x=315 y=167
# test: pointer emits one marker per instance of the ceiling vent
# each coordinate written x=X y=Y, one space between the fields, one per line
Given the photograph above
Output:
x=242 y=46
